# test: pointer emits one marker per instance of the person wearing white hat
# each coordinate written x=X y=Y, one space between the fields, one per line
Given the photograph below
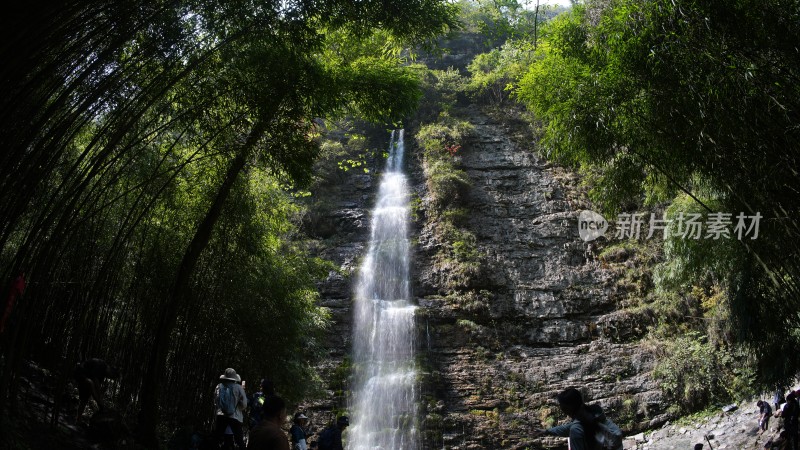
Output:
x=229 y=401
x=298 y=432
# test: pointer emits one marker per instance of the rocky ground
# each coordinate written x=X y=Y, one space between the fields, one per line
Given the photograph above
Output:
x=737 y=429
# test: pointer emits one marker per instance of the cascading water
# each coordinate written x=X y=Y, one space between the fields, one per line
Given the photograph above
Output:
x=384 y=404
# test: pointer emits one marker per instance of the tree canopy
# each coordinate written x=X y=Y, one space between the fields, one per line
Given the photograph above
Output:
x=148 y=148
x=696 y=99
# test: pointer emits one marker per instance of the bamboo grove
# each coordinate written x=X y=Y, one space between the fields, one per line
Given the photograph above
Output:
x=690 y=106
x=147 y=151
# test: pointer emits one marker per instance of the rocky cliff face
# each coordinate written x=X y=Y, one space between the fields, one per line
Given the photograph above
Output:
x=539 y=314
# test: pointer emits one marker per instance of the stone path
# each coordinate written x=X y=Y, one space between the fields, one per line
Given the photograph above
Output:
x=725 y=430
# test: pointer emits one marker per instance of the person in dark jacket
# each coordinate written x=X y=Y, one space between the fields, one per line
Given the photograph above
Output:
x=585 y=421
x=268 y=435
x=256 y=402
x=790 y=415
x=331 y=438
x=89 y=376
x=778 y=399
x=764 y=413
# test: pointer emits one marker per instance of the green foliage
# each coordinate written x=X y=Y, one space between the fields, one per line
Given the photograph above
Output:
x=379 y=89
x=434 y=138
x=469 y=325
x=442 y=91
x=628 y=412
x=471 y=301
x=346 y=159
x=261 y=297
x=449 y=84
x=651 y=99
x=694 y=374
x=343 y=45
x=497 y=21
x=493 y=73
x=488 y=79
x=341 y=150
x=447 y=184
x=458 y=258
x=700 y=261
x=699 y=416
x=339 y=380
x=547 y=416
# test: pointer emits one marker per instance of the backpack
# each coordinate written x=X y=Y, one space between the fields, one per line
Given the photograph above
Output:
x=325 y=441
x=608 y=435
x=256 y=408
x=226 y=401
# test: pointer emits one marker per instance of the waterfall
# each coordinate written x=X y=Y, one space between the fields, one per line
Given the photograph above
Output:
x=383 y=406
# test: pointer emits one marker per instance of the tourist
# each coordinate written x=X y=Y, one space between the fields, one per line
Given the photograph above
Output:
x=298 y=432
x=331 y=438
x=268 y=435
x=266 y=390
x=229 y=439
x=765 y=411
x=778 y=399
x=790 y=413
x=588 y=422
x=230 y=400
x=89 y=376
